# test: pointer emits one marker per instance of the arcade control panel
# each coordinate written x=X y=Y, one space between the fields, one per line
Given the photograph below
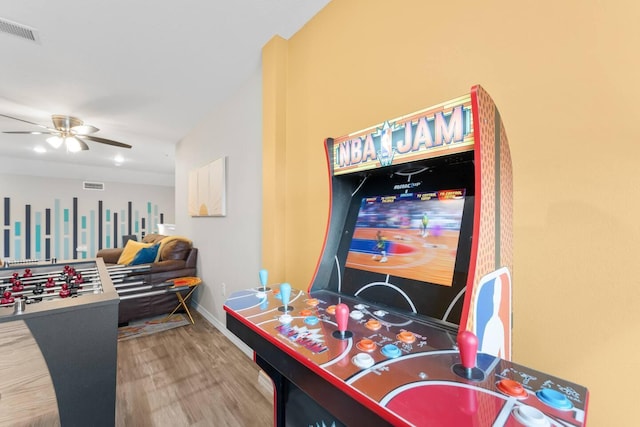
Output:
x=420 y=372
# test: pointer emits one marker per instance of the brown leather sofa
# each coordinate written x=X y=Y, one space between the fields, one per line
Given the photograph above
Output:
x=177 y=258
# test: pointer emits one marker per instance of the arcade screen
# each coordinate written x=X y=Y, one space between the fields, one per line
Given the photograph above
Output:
x=410 y=235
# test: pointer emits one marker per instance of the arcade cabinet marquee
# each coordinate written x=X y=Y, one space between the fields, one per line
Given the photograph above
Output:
x=407 y=318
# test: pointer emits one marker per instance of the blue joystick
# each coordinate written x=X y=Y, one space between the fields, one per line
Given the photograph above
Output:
x=285 y=295
x=285 y=292
x=263 y=279
x=263 y=274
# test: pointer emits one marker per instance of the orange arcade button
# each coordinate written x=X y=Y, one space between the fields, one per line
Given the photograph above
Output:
x=373 y=324
x=366 y=344
x=406 y=336
x=305 y=312
x=312 y=302
x=331 y=309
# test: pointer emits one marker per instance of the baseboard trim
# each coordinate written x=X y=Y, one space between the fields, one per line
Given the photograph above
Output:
x=222 y=328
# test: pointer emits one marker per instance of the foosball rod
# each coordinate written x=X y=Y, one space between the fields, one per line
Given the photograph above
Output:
x=28 y=281
x=20 y=294
x=127 y=284
x=7 y=263
x=33 y=282
x=145 y=294
x=152 y=293
x=32 y=288
x=36 y=275
x=87 y=277
x=145 y=287
x=56 y=295
x=120 y=269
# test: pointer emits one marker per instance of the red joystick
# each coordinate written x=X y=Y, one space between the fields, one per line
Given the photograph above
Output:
x=342 y=317
x=468 y=345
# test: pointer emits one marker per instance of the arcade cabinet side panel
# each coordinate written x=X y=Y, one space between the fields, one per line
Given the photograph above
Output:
x=339 y=198
x=27 y=392
x=493 y=223
x=80 y=346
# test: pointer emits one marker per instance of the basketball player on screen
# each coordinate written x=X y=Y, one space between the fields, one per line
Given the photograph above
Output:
x=425 y=222
x=381 y=248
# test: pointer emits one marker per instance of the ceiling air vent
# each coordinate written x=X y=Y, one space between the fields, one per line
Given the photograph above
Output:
x=93 y=185
x=19 y=30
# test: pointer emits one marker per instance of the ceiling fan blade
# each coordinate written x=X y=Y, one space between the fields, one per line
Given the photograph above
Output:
x=84 y=129
x=83 y=145
x=24 y=132
x=104 y=141
x=25 y=121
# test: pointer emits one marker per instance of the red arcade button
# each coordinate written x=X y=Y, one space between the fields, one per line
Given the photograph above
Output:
x=512 y=388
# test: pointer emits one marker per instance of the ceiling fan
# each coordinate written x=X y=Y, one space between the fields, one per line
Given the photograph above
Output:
x=68 y=130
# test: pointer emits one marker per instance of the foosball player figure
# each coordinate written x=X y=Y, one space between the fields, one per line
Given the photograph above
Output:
x=7 y=298
x=17 y=286
x=78 y=281
x=65 y=292
x=38 y=290
x=49 y=284
x=27 y=273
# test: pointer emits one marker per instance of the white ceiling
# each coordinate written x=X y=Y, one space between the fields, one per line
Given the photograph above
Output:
x=143 y=72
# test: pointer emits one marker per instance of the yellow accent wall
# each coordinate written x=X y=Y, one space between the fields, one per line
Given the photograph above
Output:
x=563 y=77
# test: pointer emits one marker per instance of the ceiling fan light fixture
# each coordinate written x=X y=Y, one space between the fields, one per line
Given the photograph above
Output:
x=55 y=141
x=73 y=144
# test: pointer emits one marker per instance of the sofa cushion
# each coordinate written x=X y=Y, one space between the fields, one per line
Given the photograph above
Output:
x=130 y=250
x=174 y=248
x=146 y=255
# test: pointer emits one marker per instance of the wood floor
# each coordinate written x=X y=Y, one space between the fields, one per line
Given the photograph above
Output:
x=189 y=376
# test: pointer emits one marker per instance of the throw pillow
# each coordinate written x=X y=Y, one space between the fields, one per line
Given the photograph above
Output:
x=146 y=255
x=130 y=250
x=168 y=240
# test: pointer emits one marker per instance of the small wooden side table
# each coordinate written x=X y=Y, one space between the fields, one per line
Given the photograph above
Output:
x=179 y=284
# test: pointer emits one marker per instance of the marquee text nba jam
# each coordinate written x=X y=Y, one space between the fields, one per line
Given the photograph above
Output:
x=440 y=130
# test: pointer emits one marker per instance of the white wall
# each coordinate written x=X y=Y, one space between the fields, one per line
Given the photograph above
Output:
x=57 y=194
x=229 y=247
x=43 y=168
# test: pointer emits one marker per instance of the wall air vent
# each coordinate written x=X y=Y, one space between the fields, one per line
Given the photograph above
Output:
x=93 y=185
x=19 y=30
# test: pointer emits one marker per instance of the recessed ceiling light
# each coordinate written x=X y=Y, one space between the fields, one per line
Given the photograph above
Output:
x=40 y=149
x=118 y=160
